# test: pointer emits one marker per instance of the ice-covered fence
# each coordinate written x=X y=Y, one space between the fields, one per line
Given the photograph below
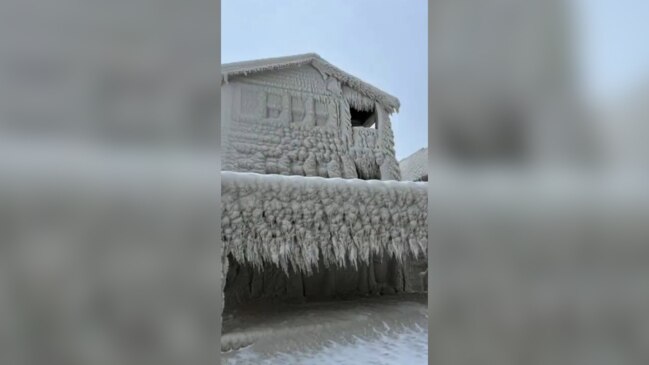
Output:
x=294 y=221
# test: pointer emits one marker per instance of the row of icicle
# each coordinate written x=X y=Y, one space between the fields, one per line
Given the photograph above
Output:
x=293 y=221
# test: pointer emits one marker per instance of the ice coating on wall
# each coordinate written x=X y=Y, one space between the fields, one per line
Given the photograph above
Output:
x=294 y=221
x=296 y=121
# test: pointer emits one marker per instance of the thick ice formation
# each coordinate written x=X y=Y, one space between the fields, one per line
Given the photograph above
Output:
x=293 y=221
x=324 y=67
x=415 y=166
x=293 y=116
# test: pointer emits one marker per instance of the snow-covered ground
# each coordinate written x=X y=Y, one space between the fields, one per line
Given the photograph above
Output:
x=387 y=330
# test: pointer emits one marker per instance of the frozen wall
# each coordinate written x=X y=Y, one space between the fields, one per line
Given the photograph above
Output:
x=297 y=121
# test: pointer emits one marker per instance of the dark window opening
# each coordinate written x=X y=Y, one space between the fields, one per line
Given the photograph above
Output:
x=363 y=118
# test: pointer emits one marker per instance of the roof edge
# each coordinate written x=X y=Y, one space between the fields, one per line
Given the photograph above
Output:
x=390 y=102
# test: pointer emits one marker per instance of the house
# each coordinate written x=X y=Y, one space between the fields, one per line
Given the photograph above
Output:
x=312 y=203
x=301 y=115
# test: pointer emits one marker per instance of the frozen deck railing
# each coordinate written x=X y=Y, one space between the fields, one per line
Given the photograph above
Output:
x=294 y=221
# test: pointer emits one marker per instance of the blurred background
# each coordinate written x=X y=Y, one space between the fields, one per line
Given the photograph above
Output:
x=537 y=167
x=538 y=82
x=109 y=183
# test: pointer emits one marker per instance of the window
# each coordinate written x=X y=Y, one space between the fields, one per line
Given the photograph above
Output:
x=297 y=109
x=274 y=106
x=321 y=113
x=363 y=118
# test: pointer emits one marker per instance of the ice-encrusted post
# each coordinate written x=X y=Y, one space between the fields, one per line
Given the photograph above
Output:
x=345 y=120
x=389 y=167
x=345 y=123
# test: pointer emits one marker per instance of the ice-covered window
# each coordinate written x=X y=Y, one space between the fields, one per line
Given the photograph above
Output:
x=297 y=109
x=273 y=106
x=363 y=118
x=321 y=114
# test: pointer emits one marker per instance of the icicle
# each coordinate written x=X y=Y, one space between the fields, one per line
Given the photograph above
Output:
x=326 y=70
x=293 y=221
x=346 y=123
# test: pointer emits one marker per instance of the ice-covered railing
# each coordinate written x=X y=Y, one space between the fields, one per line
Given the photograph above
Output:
x=365 y=137
x=294 y=221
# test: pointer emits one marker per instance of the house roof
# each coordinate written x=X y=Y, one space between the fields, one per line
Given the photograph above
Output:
x=391 y=103
x=414 y=166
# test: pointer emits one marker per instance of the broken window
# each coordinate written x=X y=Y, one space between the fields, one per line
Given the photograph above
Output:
x=363 y=118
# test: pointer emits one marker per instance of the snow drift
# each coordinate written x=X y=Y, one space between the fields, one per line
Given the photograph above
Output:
x=295 y=221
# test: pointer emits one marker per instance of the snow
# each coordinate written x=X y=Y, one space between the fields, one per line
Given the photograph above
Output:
x=293 y=221
x=409 y=346
x=385 y=330
x=414 y=166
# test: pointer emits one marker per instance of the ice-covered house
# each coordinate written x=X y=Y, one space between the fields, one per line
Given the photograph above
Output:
x=300 y=115
x=311 y=198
